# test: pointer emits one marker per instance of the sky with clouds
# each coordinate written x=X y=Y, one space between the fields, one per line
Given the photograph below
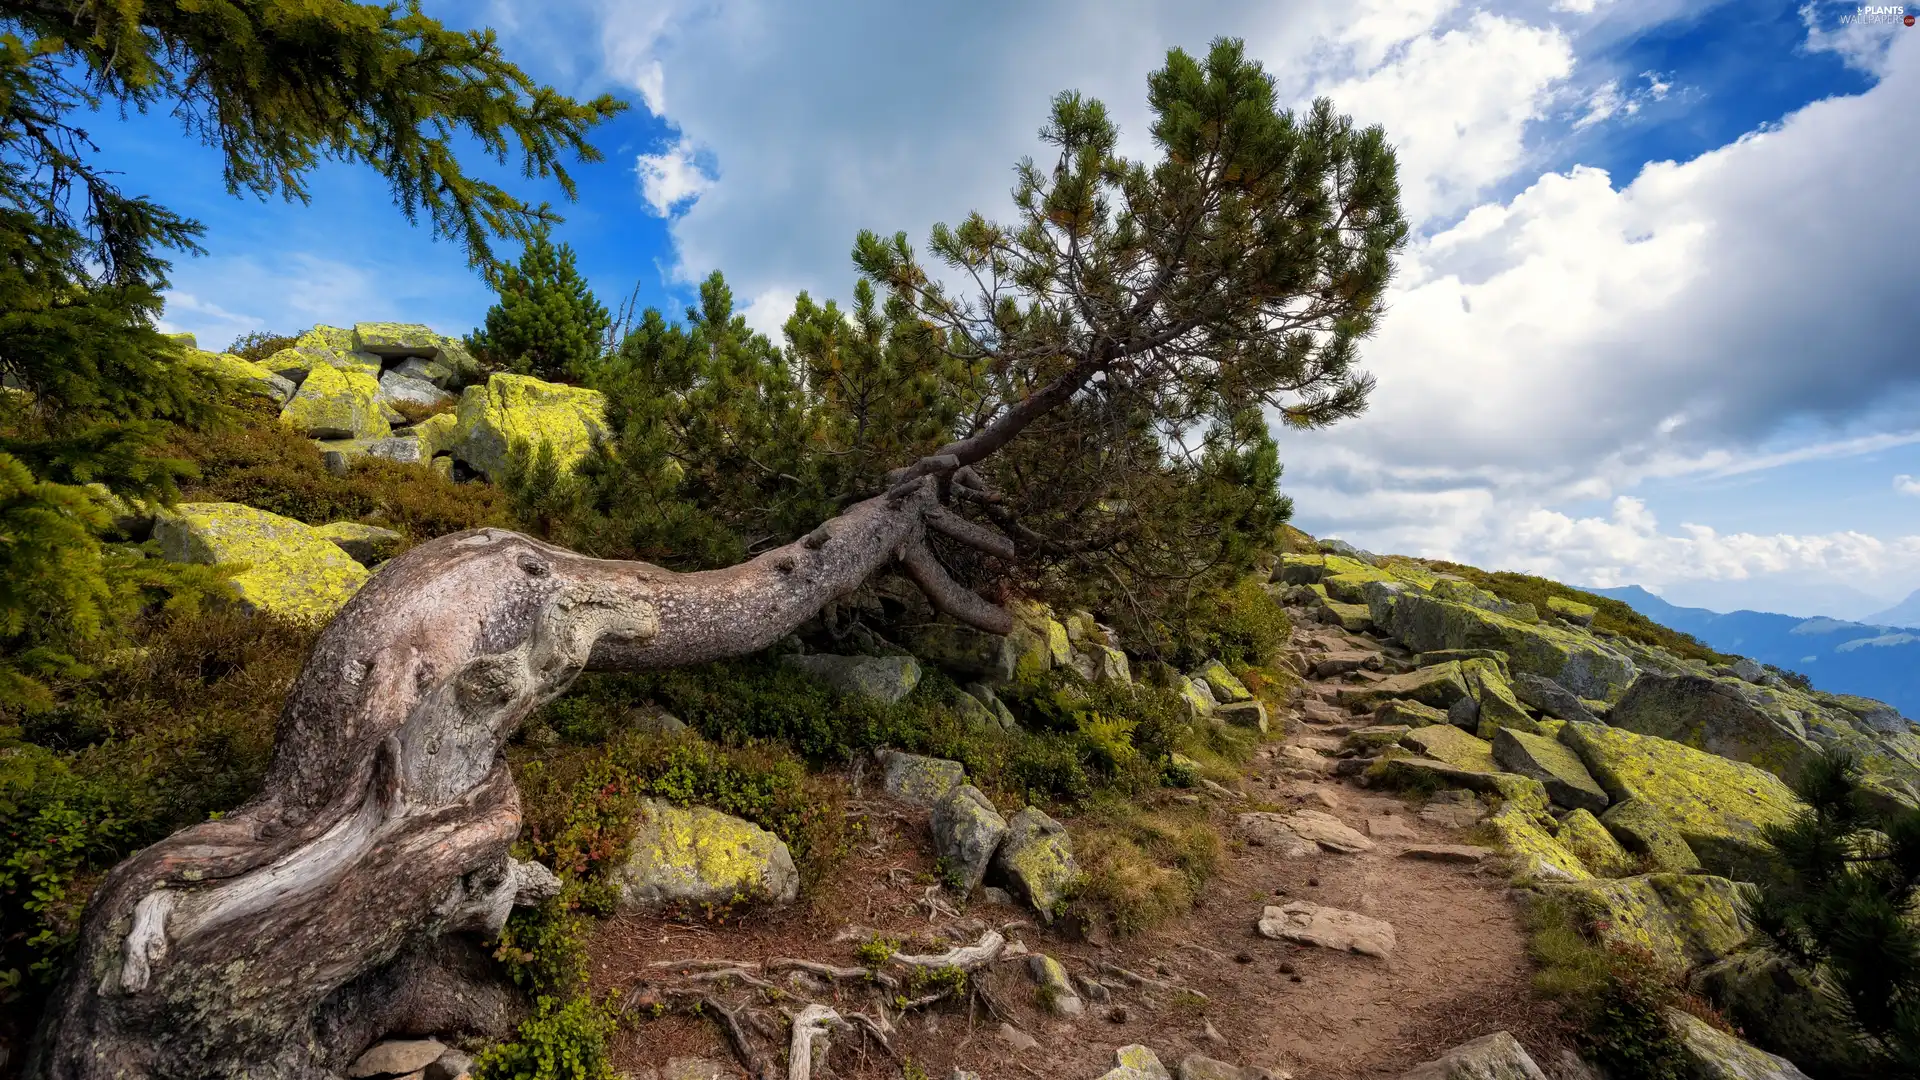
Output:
x=1659 y=322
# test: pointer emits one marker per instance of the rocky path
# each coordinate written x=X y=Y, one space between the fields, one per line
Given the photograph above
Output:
x=1323 y=859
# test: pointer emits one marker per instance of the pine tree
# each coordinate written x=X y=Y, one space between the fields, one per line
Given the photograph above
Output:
x=1842 y=904
x=546 y=322
x=90 y=383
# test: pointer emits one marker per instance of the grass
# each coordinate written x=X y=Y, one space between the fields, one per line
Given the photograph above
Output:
x=1142 y=867
x=1611 y=615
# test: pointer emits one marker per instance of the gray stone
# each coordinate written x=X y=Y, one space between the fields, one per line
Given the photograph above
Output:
x=1057 y=994
x=1464 y=713
x=452 y=1065
x=365 y=544
x=1269 y=830
x=1002 y=716
x=1550 y=698
x=1307 y=923
x=1201 y=1067
x=923 y=781
x=1748 y=669
x=396 y=1057
x=1328 y=831
x=395 y=387
x=994 y=894
x=1558 y=768
x=966 y=652
x=694 y=1068
x=1136 y=1062
x=1498 y=1056
x=1036 y=862
x=1015 y=1038
x=1447 y=853
x=651 y=719
x=967 y=830
x=436 y=372
x=1245 y=714
x=973 y=713
x=877 y=678
x=696 y=857
x=1719 y=1056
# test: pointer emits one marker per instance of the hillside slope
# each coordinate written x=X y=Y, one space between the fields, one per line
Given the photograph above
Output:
x=1841 y=657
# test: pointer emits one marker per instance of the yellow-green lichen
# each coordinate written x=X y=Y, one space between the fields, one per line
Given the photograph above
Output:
x=1582 y=834
x=330 y=338
x=1525 y=834
x=1682 y=919
x=333 y=403
x=700 y=857
x=508 y=409
x=292 y=571
x=245 y=374
x=1444 y=742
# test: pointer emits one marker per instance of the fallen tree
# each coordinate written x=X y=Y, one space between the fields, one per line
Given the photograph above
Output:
x=282 y=938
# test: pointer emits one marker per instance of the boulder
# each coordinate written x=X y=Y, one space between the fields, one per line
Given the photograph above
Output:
x=1411 y=713
x=1100 y=663
x=1498 y=708
x=295 y=362
x=398 y=388
x=1036 y=862
x=1201 y=1067
x=874 y=678
x=396 y=1057
x=1526 y=835
x=1645 y=831
x=1498 y=1056
x=1582 y=834
x=404 y=449
x=395 y=340
x=1683 y=919
x=1350 y=617
x=1444 y=742
x=1572 y=611
x=966 y=652
x=967 y=830
x=1265 y=829
x=1381 y=596
x=697 y=857
x=1221 y=682
x=1307 y=923
x=1196 y=697
x=974 y=713
x=985 y=695
x=292 y=571
x=336 y=404
x=326 y=338
x=365 y=544
x=1441 y=656
x=512 y=408
x=1246 y=714
x=1575 y=660
x=244 y=374
x=922 y=781
x=437 y=433
x=1136 y=1062
x=1778 y=729
x=1057 y=994
x=1438 y=686
x=1875 y=716
x=1719 y=1056
x=436 y=372
x=1460 y=591
x=1551 y=698
x=1567 y=781
x=1717 y=806
x=1464 y=714
x=1375 y=737
x=1781 y=1010
x=1326 y=830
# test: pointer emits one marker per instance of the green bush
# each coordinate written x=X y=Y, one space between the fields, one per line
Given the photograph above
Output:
x=562 y=1040
x=257 y=345
x=1241 y=625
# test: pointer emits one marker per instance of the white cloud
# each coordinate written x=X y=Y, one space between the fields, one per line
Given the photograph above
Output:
x=301 y=289
x=768 y=312
x=671 y=180
x=1865 y=46
x=1906 y=485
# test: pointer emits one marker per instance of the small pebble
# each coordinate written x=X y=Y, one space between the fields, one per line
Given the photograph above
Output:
x=1243 y=958
x=1279 y=892
x=1118 y=1015
x=1314 y=881
x=1295 y=978
x=1286 y=968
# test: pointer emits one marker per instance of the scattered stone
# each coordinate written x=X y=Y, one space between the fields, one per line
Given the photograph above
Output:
x=1201 y=1067
x=1567 y=781
x=696 y=856
x=1551 y=698
x=1136 y=1062
x=1036 y=862
x=993 y=894
x=1117 y=1014
x=1093 y=989
x=985 y=695
x=1246 y=714
x=1447 y=853
x=1719 y=1056
x=1375 y=737
x=293 y=571
x=1302 y=759
x=1225 y=688
x=1243 y=958
x=1057 y=995
x=1390 y=828
x=396 y=1057
x=1438 y=686
x=963 y=1074
x=1409 y=713
x=967 y=830
x=1016 y=1038
x=364 y=544
x=1308 y=923
x=922 y=781
x=1328 y=831
x=1195 y=696
x=876 y=678
x=1314 y=711
x=1269 y=830
x=1498 y=1056
x=1329 y=665
x=1286 y=967
x=694 y=1068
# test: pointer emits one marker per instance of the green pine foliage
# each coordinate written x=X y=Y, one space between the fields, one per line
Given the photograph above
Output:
x=546 y=322
x=1843 y=907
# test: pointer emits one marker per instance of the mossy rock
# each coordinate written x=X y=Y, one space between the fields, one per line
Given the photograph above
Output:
x=1439 y=686
x=396 y=340
x=515 y=408
x=296 y=361
x=1577 y=661
x=1351 y=587
x=1221 y=682
x=920 y=780
x=292 y=571
x=1572 y=610
x=437 y=433
x=1783 y=1011
x=1718 y=807
x=1526 y=835
x=1646 y=832
x=1444 y=742
x=1682 y=919
x=1300 y=569
x=244 y=374
x=365 y=544
x=694 y=858
x=1352 y=618
x=1498 y=707
x=884 y=679
x=966 y=652
x=1558 y=768
x=1036 y=862
x=1196 y=697
x=1582 y=834
x=1441 y=656
x=333 y=403
x=1375 y=737
x=330 y=338
x=1719 y=1056
x=1405 y=771
x=1410 y=713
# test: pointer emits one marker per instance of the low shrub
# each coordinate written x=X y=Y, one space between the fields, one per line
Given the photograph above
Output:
x=1142 y=867
x=1242 y=626
x=257 y=345
x=564 y=1039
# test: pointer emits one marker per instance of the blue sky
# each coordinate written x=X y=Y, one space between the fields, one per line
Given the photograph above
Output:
x=1656 y=325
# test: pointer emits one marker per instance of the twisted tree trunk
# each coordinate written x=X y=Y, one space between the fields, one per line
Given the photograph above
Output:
x=280 y=939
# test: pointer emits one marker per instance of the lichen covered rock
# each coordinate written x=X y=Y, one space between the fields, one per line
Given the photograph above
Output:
x=923 y=781
x=513 y=408
x=966 y=652
x=1439 y=686
x=245 y=374
x=1683 y=919
x=1582 y=834
x=1572 y=610
x=1719 y=1056
x=1221 y=682
x=333 y=403
x=967 y=830
x=1036 y=862
x=1497 y=707
x=1498 y=1056
x=1575 y=660
x=1567 y=781
x=1717 y=806
x=1444 y=742
x=1645 y=831
x=876 y=678
x=396 y=388
x=292 y=571
x=1526 y=834
x=365 y=544
x=696 y=857
x=1411 y=713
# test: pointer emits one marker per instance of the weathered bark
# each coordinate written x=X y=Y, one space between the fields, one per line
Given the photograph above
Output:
x=280 y=939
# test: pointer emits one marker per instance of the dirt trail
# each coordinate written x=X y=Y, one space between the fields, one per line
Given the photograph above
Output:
x=1458 y=969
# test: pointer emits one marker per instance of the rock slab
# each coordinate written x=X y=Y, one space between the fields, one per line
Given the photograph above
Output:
x=1307 y=923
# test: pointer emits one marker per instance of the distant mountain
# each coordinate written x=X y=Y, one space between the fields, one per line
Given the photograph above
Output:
x=1904 y=613
x=1841 y=657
